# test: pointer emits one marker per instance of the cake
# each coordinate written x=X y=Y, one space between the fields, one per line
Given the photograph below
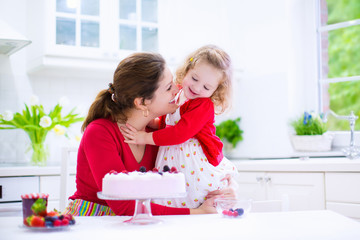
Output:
x=143 y=184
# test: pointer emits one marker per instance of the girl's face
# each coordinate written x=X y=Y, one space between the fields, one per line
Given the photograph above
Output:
x=160 y=104
x=201 y=81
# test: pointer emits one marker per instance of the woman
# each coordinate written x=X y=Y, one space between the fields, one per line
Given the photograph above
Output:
x=142 y=91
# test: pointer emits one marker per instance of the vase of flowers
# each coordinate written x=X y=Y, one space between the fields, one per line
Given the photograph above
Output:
x=311 y=134
x=37 y=124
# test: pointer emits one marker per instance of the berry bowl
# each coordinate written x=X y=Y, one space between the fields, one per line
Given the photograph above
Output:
x=233 y=208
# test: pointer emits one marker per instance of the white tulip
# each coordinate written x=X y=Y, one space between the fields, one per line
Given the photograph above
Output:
x=45 y=121
x=34 y=100
x=63 y=101
x=8 y=115
x=59 y=130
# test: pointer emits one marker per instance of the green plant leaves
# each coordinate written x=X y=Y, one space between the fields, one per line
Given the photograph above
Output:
x=230 y=131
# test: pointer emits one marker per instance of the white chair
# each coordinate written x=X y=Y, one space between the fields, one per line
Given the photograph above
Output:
x=65 y=182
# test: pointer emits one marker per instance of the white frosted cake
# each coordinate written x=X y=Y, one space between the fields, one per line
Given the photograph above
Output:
x=136 y=185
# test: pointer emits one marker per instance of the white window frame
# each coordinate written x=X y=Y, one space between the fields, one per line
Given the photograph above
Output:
x=342 y=138
x=327 y=28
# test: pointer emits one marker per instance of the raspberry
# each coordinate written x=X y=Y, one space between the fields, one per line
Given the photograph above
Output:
x=155 y=170
x=173 y=170
x=57 y=223
x=225 y=212
x=65 y=222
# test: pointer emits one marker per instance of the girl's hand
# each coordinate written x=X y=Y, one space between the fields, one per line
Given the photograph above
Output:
x=205 y=208
x=228 y=192
x=133 y=136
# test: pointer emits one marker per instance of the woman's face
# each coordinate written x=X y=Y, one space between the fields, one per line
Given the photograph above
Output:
x=160 y=104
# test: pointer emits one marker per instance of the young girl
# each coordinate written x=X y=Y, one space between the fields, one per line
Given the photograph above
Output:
x=188 y=142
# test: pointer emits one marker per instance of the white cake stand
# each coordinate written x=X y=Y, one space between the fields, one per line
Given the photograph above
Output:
x=142 y=213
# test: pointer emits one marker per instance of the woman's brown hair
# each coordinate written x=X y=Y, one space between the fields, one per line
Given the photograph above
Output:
x=136 y=76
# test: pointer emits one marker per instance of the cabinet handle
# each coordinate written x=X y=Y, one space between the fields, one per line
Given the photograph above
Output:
x=267 y=179
x=0 y=191
x=259 y=179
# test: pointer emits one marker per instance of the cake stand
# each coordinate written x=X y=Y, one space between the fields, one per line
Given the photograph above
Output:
x=142 y=213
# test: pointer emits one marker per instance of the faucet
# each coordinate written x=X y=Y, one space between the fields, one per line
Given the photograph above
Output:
x=351 y=152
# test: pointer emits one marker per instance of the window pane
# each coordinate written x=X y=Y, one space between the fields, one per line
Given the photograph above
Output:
x=344 y=98
x=127 y=9
x=344 y=52
x=62 y=6
x=65 y=31
x=127 y=37
x=89 y=33
x=342 y=10
x=149 y=10
x=90 y=7
x=150 y=39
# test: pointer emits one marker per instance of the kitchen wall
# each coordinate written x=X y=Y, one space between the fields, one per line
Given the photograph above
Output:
x=272 y=44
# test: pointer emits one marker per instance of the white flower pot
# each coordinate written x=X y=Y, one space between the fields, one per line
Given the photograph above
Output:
x=312 y=143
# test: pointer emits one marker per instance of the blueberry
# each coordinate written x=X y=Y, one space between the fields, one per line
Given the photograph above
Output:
x=160 y=173
x=49 y=224
x=231 y=209
x=240 y=211
x=142 y=169
x=72 y=222
x=166 y=168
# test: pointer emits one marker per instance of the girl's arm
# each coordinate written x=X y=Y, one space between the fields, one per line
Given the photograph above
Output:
x=199 y=113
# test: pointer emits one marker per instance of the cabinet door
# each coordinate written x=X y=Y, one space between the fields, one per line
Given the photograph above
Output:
x=298 y=191
x=343 y=187
x=251 y=185
x=11 y=188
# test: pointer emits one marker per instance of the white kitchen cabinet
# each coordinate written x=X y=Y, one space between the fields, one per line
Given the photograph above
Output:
x=343 y=193
x=297 y=191
x=16 y=181
x=89 y=38
x=11 y=189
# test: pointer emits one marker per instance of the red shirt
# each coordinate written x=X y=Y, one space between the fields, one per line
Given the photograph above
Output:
x=101 y=150
x=197 y=120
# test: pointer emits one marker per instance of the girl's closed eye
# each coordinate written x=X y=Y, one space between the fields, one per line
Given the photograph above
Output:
x=206 y=88
x=169 y=88
x=194 y=79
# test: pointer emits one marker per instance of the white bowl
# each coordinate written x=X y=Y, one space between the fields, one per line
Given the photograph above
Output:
x=233 y=208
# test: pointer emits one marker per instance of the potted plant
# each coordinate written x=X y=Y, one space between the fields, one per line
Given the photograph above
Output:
x=37 y=123
x=311 y=133
x=230 y=133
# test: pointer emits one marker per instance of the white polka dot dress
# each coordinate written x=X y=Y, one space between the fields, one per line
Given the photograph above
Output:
x=201 y=176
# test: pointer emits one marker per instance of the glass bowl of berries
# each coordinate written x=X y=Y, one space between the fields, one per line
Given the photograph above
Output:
x=233 y=208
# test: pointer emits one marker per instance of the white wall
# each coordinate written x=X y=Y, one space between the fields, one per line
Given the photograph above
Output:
x=271 y=43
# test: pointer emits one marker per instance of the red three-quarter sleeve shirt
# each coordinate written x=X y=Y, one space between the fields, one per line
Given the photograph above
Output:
x=197 y=120
x=101 y=150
